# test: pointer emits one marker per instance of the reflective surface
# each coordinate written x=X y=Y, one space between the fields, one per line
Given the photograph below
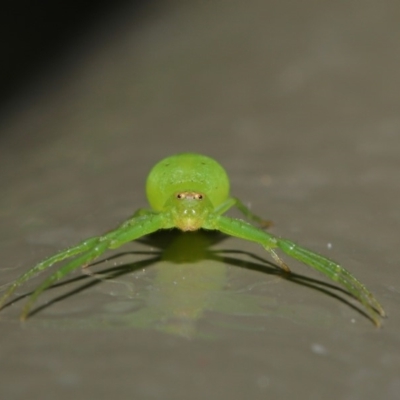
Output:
x=300 y=104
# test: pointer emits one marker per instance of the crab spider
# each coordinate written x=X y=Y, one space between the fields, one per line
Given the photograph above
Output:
x=190 y=191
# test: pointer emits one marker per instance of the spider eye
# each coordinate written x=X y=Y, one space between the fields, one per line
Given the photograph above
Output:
x=189 y=196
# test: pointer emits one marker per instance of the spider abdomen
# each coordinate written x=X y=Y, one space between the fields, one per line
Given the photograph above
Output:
x=186 y=172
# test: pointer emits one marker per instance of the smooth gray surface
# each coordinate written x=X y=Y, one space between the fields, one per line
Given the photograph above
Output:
x=300 y=102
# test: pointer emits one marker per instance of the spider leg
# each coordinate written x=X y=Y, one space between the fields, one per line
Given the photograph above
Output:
x=337 y=273
x=252 y=217
x=60 y=273
x=244 y=230
x=48 y=262
x=92 y=248
x=235 y=202
x=331 y=269
x=281 y=263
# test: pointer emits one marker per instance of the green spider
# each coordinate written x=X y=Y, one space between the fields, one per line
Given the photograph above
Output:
x=190 y=191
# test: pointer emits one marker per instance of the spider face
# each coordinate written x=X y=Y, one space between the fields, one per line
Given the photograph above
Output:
x=189 y=210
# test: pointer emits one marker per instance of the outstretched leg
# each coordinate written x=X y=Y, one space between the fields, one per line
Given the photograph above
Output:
x=244 y=230
x=328 y=267
x=91 y=249
x=48 y=262
x=335 y=272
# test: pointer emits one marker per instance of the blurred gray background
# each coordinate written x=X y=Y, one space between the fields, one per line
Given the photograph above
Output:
x=299 y=101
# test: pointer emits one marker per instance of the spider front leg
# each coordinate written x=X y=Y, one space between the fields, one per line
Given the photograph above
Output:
x=338 y=274
x=244 y=230
x=48 y=262
x=91 y=249
x=328 y=267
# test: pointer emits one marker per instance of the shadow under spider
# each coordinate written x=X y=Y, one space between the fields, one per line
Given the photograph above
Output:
x=190 y=247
